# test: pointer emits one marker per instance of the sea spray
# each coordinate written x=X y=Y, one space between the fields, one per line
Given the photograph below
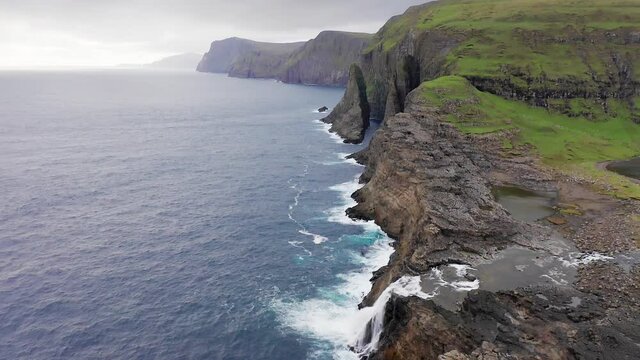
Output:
x=332 y=316
x=326 y=128
x=367 y=340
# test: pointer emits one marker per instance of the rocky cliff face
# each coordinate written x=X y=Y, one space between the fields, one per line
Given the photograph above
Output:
x=324 y=60
x=242 y=56
x=350 y=118
x=429 y=187
x=550 y=60
x=510 y=325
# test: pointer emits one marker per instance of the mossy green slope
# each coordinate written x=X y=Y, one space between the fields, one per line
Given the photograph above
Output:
x=541 y=36
x=541 y=51
x=571 y=144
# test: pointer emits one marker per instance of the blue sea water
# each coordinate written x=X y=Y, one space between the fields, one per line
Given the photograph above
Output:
x=176 y=215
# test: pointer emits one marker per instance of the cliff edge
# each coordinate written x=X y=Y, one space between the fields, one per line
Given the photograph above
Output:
x=324 y=60
x=350 y=118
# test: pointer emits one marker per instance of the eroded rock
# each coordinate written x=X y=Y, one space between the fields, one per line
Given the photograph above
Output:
x=350 y=118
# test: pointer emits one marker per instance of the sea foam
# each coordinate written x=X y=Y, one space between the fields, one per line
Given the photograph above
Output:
x=332 y=317
x=325 y=128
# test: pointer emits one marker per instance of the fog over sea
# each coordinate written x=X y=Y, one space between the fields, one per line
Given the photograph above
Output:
x=176 y=215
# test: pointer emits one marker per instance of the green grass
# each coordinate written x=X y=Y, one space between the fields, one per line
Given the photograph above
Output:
x=572 y=144
x=562 y=48
x=551 y=38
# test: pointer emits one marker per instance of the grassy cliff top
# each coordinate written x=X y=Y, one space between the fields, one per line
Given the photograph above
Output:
x=572 y=144
x=535 y=36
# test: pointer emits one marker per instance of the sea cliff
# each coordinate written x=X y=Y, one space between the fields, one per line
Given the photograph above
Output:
x=324 y=60
x=475 y=95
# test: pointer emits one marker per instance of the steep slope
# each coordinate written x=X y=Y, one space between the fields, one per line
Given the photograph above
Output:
x=428 y=179
x=549 y=53
x=324 y=60
x=350 y=118
x=224 y=54
x=486 y=93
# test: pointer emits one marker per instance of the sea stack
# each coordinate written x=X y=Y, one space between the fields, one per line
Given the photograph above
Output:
x=350 y=118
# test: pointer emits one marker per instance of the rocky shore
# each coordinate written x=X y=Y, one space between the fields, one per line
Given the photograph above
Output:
x=429 y=187
x=350 y=118
x=474 y=96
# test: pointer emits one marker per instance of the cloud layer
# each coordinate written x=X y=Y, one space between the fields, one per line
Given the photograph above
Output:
x=102 y=33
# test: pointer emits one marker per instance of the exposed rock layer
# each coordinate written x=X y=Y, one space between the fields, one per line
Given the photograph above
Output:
x=324 y=60
x=409 y=50
x=223 y=55
x=350 y=118
x=535 y=323
x=428 y=186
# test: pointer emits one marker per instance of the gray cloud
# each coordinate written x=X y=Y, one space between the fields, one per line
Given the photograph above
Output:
x=137 y=27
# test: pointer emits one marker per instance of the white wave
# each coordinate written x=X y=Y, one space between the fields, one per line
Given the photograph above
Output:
x=333 y=316
x=326 y=128
x=317 y=239
x=345 y=159
x=298 y=244
x=460 y=284
x=368 y=338
x=342 y=160
x=338 y=214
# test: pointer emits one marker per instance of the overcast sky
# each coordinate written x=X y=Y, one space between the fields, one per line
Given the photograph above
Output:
x=42 y=33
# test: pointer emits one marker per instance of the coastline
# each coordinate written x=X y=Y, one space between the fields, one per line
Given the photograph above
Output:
x=383 y=179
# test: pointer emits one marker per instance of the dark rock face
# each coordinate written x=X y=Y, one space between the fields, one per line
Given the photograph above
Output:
x=422 y=55
x=247 y=59
x=427 y=187
x=350 y=118
x=324 y=60
x=323 y=109
x=533 y=323
x=223 y=54
x=392 y=75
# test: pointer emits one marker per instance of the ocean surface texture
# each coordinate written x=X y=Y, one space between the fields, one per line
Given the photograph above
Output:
x=176 y=215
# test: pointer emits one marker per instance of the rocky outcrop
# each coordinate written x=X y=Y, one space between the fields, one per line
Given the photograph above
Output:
x=427 y=185
x=324 y=60
x=408 y=50
x=244 y=57
x=533 y=323
x=350 y=118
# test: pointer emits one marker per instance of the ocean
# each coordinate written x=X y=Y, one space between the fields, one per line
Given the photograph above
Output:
x=176 y=215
